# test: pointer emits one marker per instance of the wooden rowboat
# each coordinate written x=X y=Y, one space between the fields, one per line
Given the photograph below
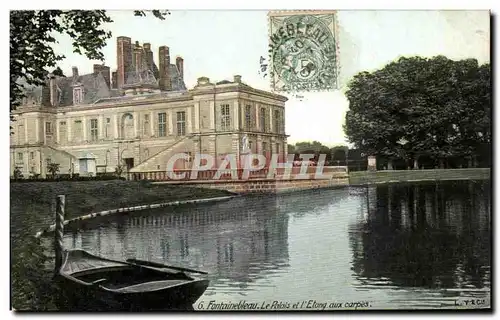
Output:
x=89 y=282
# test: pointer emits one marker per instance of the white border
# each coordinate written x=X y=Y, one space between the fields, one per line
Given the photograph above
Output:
x=204 y=5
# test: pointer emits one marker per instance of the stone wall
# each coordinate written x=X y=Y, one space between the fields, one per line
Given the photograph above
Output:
x=265 y=185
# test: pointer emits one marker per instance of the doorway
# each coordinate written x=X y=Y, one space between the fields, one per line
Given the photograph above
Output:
x=129 y=162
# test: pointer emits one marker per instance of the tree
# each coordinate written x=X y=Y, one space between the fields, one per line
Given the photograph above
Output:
x=339 y=154
x=440 y=107
x=119 y=170
x=18 y=174
x=53 y=169
x=32 y=38
x=307 y=147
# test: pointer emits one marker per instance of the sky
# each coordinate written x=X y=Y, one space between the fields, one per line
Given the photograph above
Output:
x=220 y=44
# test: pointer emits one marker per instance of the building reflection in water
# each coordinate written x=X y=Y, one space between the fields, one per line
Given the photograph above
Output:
x=239 y=240
x=433 y=235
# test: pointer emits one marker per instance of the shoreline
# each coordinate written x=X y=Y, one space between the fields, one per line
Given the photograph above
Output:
x=363 y=178
x=104 y=213
x=364 y=184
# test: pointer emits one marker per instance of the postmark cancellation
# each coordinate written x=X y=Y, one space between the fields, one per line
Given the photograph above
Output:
x=303 y=51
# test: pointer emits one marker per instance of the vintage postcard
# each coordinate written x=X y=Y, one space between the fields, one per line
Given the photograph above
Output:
x=279 y=160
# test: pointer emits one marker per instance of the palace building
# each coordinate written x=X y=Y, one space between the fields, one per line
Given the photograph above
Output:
x=139 y=116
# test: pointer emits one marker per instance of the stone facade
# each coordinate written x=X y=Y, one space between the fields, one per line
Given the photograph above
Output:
x=143 y=129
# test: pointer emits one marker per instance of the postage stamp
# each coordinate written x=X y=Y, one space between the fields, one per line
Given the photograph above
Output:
x=303 y=50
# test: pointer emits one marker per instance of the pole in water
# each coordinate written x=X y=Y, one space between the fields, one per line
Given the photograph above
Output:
x=58 y=233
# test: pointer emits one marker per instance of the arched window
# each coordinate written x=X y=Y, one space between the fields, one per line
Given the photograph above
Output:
x=127 y=126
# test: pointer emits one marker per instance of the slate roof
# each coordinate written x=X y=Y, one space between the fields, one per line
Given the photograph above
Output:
x=33 y=93
x=148 y=77
x=95 y=87
x=176 y=80
x=141 y=77
x=142 y=97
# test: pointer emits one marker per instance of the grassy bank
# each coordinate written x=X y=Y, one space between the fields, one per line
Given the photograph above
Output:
x=31 y=209
x=367 y=177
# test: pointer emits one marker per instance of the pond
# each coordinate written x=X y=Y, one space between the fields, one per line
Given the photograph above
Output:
x=424 y=245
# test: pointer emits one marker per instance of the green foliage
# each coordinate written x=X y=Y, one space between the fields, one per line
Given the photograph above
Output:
x=119 y=170
x=32 y=285
x=32 y=41
x=317 y=148
x=439 y=106
x=160 y=14
x=18 y=173
x=311 y=147
x=53 y=168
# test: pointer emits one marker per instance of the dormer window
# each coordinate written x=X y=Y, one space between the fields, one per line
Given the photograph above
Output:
x=77 y=95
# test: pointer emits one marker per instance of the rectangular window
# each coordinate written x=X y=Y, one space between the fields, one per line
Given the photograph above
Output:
x=248 y=117
x=77 y=131
x=225 y=122
x=19 y=156
x=145 y=126
x=107 y=127
x=181 y=123
x=32 y=155
x=48 y=128
x=264 y=147
x=277 y=122
x=278 y=151
x=162 y=124
x=93 y=130
x=62 y=123
x=21 y=134
x=77 y=96
x=263 y=119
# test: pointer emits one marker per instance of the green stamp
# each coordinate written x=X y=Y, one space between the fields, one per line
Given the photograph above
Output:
x=303 y=51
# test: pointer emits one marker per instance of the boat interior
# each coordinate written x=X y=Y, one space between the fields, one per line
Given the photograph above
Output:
x=127 y=276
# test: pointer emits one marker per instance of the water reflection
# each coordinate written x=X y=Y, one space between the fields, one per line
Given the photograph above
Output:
x=237 y=242
x=424 y=235
x=385 y=244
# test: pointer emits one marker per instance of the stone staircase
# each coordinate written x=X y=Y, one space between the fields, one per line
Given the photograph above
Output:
x=159 y=159
x=63 y=158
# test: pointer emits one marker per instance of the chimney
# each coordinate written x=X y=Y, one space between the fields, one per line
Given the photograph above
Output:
x=104 y=70
x=114 y=79
x=149 y=56
x=179 y=62
x=164 y=66
x=46 y=94
x=237 y=78
x=53 y=90
x=138 y=55
x=75 y=72
x=123 y=59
